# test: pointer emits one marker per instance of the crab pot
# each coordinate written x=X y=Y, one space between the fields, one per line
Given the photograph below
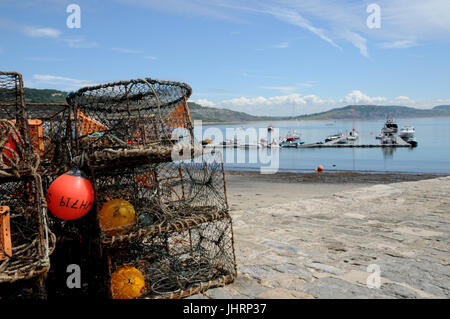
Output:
x=50 y=136
x=175 y=262
x=15 y=146
x=155 y=196
x=127 y=115
x=29 y=242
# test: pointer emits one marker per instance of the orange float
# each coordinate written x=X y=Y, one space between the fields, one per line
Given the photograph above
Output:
x=117 y=216
x=70 y=196
x=127 y=283
x=319 y=168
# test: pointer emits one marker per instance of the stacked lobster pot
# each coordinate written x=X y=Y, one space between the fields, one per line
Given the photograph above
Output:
x=160 y=212
x=25 y=239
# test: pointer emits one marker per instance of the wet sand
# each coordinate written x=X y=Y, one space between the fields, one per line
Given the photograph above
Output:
x=247 y=190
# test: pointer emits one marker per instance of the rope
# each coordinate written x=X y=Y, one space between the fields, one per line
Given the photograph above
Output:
x=8 y=131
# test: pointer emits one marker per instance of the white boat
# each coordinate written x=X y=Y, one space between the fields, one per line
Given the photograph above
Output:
x=353 y=135
x=334 y=137
x=407 y=132
x=390 y=126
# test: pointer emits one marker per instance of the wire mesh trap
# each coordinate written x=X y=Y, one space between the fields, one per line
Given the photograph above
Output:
x=135 y=114
x=50 y=136
x=174 y=263
x=136 y=201
x=27 y=242
x=16 y=152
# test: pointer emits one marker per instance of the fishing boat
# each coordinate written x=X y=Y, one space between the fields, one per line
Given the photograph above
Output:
x=334 y=137
x=293 y=139
x=353 y=135
x=407 y=132
x=390 y=126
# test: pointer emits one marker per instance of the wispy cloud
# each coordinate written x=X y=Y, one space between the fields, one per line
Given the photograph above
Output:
x=44 y=59
x=293 y=17
x=41 y=32
x=80 y=43
x=288 y=88
x=149 y=57
x=59 y=82
x=282 y=45
x=400 y=44
x=333 y=21
x=126 y=51
x=28 y=30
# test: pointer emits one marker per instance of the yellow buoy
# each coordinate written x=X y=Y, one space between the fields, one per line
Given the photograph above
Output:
x=127 y=283
x=117 y=216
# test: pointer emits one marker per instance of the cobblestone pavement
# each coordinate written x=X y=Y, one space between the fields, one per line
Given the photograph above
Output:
x=322 y=247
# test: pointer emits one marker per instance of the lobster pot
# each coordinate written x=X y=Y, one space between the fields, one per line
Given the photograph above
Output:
x=50 y=136
x=26 y=240
x=176 y=261
x=15 y=148
x=135 y=114
x=154 y=196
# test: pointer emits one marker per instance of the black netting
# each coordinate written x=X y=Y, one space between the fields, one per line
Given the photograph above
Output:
x=180 y=262
x=131 y=114
x=16 y=152
x=50 y=136
x=31 y=240
x=162 y=195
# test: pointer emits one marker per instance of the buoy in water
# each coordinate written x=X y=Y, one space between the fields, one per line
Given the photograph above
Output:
x=70 y=196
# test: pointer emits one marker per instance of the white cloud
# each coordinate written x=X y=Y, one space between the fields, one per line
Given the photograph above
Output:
x=400 y=44
x=80 y=43
x=282 y=45
x=284 y=105
x=31 y=31
x=404 y=23
x=404 y=100
x=358 y=97
x=59 y=82
x=44 y=59
x=289 y=88
x=293 y=17
x=126 y=51
x=297 y=104
x=41 y=32
x=357 y=40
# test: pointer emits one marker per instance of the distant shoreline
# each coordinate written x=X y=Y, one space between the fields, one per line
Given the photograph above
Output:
x=336 y=177
x=309 y=119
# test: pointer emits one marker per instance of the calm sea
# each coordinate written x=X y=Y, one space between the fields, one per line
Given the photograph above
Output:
x=431 y=156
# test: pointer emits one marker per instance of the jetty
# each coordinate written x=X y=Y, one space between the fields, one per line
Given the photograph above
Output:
x=395 y=141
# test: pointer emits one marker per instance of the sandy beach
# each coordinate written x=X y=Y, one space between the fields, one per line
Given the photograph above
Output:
x=247 y=190
x=339 y=235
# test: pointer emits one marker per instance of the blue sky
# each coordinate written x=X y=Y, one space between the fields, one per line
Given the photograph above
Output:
x=278 y=57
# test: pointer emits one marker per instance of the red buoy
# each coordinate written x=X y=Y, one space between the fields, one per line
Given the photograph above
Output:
x=319 y=168
x=70 y=196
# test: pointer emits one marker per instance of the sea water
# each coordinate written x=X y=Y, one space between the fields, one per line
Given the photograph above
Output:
x=431 y=156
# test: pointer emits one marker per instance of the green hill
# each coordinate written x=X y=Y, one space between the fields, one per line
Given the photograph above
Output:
x=44 y=96
x=210 y=114
x=372 y=112
x=442 y=107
